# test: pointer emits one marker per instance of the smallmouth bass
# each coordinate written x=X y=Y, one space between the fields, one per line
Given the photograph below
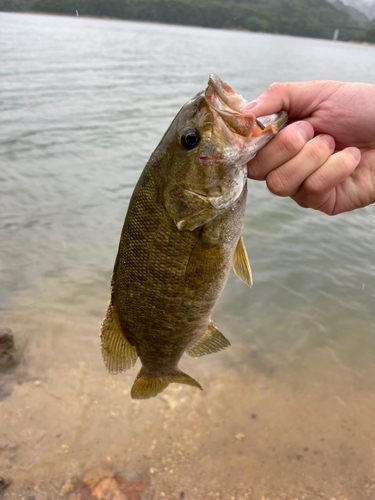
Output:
x=182 y=234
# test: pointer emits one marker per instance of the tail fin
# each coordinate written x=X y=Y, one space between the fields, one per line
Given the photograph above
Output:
x=146 y=386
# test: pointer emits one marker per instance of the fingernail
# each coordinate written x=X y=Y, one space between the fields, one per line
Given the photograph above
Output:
x=355 y=152
x=305 y=129
x=249 y=105
x=329 y=140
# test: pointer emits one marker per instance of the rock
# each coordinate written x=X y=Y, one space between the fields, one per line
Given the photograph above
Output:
x=4 y=482
x=107 y=484
x=6 y=348
x=240 y=436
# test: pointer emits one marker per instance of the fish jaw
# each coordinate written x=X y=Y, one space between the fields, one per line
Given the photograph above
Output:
x=247 y=133
x=227 y=95
x=262 y=133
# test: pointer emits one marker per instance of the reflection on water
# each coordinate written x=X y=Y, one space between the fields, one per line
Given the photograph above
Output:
x=287 y=411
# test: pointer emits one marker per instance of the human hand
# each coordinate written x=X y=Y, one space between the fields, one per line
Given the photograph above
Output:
x=327 y=160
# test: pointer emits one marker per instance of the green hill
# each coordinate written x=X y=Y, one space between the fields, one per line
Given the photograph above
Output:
x=368 y=35
x=292 y=17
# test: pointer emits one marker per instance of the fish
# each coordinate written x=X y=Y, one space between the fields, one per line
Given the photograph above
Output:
x=181 y=236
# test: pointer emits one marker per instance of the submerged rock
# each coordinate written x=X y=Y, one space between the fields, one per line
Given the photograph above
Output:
x=6 y=348
x=4 y=483
x=107 y=484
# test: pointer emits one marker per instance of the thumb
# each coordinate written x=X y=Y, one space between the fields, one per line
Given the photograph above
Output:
x=298 y=99
x=273 y=100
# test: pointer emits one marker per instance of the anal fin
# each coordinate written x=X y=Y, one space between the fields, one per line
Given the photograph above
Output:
x=241 y=264
x=118 y=353
x=146 y=386
x=211 y=341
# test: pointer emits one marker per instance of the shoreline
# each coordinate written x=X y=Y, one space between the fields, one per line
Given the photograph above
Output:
x=243 y=30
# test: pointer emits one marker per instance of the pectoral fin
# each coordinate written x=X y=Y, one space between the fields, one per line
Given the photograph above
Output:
x=211 y=341
x=187 y=209
x=118 y=353
x=241 y=264
x=145 y=386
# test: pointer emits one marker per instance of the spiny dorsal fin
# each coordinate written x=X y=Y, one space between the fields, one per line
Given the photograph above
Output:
x=118 y=353
x=146 y=386
x=211 y=341
x=241 y=264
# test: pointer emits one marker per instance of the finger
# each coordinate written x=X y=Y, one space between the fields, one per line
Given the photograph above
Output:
x=318 y=190
x=299 y=99
x=284 y=146
x=287 y=179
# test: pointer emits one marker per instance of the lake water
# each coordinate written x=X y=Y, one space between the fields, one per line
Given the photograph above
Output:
x=288 y=411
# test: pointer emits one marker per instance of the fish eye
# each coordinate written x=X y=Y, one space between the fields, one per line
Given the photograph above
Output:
x=190 y=138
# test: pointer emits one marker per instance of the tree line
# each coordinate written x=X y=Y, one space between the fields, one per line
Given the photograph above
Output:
x=291 y=17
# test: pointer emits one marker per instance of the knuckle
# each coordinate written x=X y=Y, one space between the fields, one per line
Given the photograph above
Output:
x=292 y=142
x=344 y=161
x=274 y=87
x=319 y=152
x=314 y=185
x=276 y=183
x=302 y=202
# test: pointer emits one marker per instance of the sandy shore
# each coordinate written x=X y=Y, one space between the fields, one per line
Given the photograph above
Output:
x=258 y=431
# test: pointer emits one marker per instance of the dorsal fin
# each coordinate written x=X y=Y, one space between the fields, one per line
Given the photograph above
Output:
x=118 y=353
x=211 y=341
x=146 y=386
x=241 y=264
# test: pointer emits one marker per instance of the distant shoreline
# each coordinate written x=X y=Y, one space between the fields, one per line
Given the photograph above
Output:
x=88 y=16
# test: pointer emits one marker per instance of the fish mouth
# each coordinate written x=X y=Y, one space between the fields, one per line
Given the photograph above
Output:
x=278 y=120
x=228 y=96
x=227 y=104
x=249 y=133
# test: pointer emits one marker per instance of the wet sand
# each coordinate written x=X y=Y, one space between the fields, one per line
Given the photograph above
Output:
x=259 y=430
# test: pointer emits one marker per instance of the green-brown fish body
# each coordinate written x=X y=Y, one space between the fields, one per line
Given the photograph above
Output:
x=182 y=234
